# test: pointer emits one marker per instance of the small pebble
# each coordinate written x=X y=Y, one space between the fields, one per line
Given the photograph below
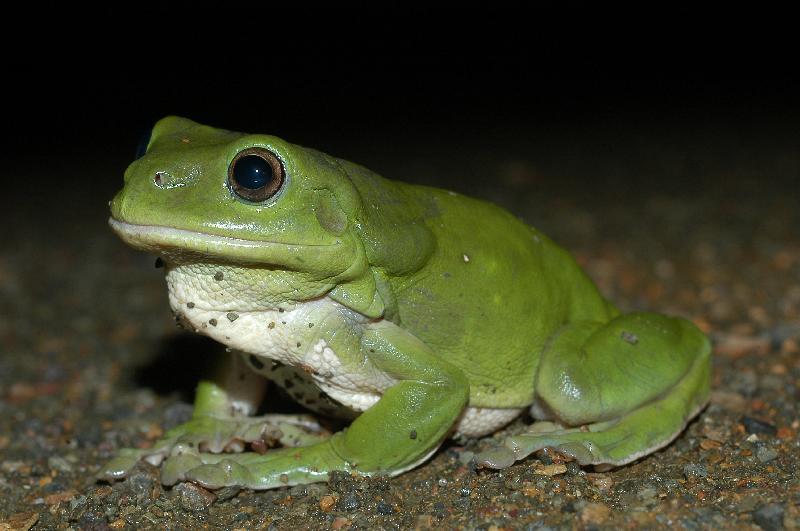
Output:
x=746 y=504
x=756 y=426
x=384 y=508
x=193 y=497
x=766 y=454
x=694 y=470
x=327 y=502
x=770 y=517
x=349 y=502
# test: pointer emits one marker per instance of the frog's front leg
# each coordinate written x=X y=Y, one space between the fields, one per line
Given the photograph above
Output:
x=221 y=422
x=401 y=430
x=619 y=390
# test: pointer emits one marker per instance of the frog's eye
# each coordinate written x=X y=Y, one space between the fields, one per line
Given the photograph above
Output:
x=255 y=174
x=144 y=141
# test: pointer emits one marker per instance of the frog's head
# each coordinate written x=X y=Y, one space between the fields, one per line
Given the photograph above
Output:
x=200 y=193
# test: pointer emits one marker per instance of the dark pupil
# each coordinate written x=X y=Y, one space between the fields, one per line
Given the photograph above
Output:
x=252 y=172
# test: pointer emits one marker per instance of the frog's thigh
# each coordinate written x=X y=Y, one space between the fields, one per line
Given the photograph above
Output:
x=632 y=383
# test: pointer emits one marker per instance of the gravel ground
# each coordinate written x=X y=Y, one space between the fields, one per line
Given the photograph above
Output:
x=700 y=225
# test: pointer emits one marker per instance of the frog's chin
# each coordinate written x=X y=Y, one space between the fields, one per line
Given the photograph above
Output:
x=181 y=244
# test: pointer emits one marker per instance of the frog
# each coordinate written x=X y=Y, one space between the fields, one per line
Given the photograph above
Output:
x=413 y=313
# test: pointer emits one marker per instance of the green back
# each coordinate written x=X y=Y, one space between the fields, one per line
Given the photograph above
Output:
x=490 y=292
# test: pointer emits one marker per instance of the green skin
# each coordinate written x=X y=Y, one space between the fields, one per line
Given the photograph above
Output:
x=466 y=307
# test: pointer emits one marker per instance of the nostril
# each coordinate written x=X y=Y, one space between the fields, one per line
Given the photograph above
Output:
x=167 y=180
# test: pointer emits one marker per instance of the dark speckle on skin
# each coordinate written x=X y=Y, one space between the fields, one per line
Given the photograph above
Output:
x=219 y=276
x=232 y=316
x=629 y=338
x=412 y=435
x=212 y=322
x=281 y=310
x=271 y=325
x=255 y=362
x=190 y=305
x=311 y=325
x=159 y=263
x=298 y=344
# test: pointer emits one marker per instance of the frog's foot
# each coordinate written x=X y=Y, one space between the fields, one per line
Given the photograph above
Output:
x=608 y=444
x=216 y=434
x=627 y=388
x=276 y=468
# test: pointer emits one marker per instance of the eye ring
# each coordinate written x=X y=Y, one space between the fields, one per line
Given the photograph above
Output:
x=256 y=174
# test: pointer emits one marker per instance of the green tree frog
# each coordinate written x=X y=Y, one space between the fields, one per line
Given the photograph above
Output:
x=418 y=313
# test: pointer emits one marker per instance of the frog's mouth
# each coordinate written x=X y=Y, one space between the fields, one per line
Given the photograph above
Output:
x=181 y=244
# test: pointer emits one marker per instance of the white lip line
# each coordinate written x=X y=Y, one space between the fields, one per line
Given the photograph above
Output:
x=160 y=232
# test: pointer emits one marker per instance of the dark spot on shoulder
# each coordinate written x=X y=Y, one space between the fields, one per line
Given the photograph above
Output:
x=298 y=344
x=212 y=322
x=190 y=305
x=255 y=362
x=219 y=276
x=629 y=337
x=232 y=316
x=311 y=325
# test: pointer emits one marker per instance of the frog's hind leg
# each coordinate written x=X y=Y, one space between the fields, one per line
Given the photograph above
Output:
x=624 y=389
